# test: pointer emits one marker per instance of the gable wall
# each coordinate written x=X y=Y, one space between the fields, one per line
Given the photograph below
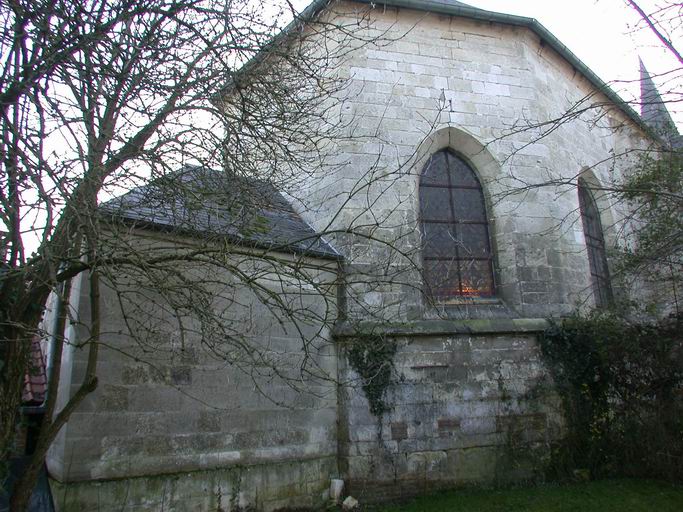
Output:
x=492 y=78
x=471 y=401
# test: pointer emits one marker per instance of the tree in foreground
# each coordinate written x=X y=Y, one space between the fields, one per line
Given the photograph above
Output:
x=100 y=97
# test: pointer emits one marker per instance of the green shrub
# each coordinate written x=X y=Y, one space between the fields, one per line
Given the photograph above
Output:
x=621 y=385
x=371 y=357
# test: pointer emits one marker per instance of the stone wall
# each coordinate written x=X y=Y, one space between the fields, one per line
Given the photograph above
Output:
x=434 y=82
x=469 y=403
x=272 y=486
x=183 y=420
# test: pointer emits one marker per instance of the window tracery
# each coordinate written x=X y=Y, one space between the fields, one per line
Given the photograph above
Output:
x=595 y=246
x=456 y=252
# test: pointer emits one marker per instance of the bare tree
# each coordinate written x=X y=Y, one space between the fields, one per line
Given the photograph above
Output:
x=100 y=97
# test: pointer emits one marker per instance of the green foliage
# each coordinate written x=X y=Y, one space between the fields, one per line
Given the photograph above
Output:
x=372 y=358
x=655 y=190
x=621 y=385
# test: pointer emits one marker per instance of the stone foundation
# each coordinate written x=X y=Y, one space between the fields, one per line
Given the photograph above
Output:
x=464 y=408
x=468 y=402
x=264 y=487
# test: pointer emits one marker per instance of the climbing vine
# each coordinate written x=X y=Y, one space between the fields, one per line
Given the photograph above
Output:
x=621 y=385
x=371 y=356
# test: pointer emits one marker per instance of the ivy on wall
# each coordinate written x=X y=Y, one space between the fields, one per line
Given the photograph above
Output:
x=622 y=388
x=371 y=356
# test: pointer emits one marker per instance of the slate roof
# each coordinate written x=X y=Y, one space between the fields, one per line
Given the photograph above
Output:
x=204 y=201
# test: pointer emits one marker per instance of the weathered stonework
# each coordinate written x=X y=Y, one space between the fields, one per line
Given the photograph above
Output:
x=470 y=86
x=173 y=426
x=470 y=400
x=270 y=486
x=463 y=408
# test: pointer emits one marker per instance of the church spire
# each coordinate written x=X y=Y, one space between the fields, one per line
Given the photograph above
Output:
x=653 y=109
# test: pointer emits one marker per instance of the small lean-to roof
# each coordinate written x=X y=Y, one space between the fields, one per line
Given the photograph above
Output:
x=197 y=200
x=455 y=8
x=35 y=379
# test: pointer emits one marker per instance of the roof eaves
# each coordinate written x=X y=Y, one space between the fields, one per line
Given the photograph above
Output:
x=323 y=240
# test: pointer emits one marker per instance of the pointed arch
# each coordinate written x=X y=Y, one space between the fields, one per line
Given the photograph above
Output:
x=595 y=245
x=456 y=250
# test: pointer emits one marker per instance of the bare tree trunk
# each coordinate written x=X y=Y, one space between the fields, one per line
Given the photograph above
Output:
x=16 y=357
x=23 y=487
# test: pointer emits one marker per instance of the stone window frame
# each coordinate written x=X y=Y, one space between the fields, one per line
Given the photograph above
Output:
x=488 y=170
x=456 y=176
x=594 y=237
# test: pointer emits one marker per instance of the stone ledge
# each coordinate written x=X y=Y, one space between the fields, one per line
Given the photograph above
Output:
x=441 y=327
x=263 y=487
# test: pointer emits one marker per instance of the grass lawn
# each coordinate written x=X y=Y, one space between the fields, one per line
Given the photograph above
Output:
x=601 y=496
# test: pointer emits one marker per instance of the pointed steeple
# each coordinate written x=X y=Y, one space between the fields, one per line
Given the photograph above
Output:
x=653 y=109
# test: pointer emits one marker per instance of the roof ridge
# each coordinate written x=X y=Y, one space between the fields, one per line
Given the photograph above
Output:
x=254 y=213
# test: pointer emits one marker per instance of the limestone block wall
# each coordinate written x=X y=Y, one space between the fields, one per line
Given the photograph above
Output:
x=438 y=81
x=173 y=426
x=196 y=421
x=469 y=403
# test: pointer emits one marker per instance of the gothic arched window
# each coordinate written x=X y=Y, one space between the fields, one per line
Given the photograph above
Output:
x=595 y=246
x=456 y=253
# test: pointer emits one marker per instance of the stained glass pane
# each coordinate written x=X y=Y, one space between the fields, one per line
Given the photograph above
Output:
x=593 y=260
x=441 y=278
x=438 y=240
x=473 y=241
x=604 y=291
x=469 y=204
x=435 y=171
x=435 y=204
x=477 y=280
x=595 y=246
x=456 y=250
x=461 y=174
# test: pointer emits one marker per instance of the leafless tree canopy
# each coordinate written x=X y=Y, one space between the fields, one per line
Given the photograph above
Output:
x=100 y=98
x=103 y=96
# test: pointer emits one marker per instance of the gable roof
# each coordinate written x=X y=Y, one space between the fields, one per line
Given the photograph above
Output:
x=212 y=203
x=456 y=8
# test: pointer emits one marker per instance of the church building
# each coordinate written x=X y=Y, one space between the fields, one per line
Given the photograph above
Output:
x=417 y=271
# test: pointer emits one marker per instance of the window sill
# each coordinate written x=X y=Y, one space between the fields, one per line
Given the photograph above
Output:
x=467 y=308
x=441 y=327
x=459 y=301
